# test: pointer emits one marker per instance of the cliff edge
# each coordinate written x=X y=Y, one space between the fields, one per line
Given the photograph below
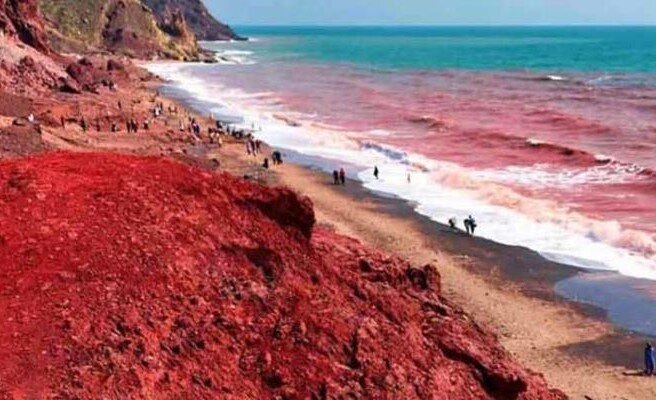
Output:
x=197 y=16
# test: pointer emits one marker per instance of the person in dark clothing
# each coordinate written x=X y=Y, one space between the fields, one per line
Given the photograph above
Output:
x=470 y=225
x=650 y=360
x=63 y=121
x=335 y=177
x=342 y=176
x=376 y=172
x=83 y=124
x=277 y=157
x=266 y=163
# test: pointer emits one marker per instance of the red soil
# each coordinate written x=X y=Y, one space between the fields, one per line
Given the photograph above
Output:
x=21 y=18
x=143 y=278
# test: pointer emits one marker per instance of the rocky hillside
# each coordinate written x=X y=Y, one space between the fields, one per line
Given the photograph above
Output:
x=20 y=20
x=26 y=60
x=200 y=21
x=120 y=26
x=143 y=278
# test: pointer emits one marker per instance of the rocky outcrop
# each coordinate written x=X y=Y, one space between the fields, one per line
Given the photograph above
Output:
x=197 y=17
x=119 y=26
x=21 y=19
x=143 y=278
x=26 y=60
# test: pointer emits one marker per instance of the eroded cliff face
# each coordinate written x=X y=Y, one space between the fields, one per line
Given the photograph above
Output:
x=26 y=60
x=199 y=19
x=121 y=26
x=20 y=19
x=144 y=278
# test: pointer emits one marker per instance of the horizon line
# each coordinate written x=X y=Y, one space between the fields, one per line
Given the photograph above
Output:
x=311 y=25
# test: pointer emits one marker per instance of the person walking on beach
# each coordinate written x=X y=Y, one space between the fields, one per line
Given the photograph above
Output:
x=335 y=177
x=342 y=176
x=470 y=225
x=376 y=172
x=277 y=158
x=650 y=360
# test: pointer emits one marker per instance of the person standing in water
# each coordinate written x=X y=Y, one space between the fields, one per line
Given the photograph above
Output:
x=376 y=172
x=342 y=176
x=650 y=360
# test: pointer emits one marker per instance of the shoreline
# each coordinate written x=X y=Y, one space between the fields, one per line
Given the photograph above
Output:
x=543 y=278
x=533 y=279
x=574 y=344
x=561 y=339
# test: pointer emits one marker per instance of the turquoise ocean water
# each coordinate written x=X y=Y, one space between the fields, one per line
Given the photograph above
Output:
x=585 y=48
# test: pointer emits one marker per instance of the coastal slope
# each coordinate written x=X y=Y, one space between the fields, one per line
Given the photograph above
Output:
x=119 y=26
x=138 y=277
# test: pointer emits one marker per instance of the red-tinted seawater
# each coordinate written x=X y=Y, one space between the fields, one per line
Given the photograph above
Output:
x=561 y=163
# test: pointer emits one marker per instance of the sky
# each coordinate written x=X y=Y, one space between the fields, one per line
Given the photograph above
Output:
x=433 y=12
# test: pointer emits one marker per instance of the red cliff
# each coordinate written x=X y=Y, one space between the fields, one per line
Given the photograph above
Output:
x=144 y=278
x=21 y=19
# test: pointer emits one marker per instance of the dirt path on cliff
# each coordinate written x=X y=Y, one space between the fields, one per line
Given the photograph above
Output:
x=540 y=333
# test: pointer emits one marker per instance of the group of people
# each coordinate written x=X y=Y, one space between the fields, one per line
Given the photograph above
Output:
x=276 y=159
x=469 y=222
x=133 y=127
x=339 y=177
x=253 y=146
x=232 y=130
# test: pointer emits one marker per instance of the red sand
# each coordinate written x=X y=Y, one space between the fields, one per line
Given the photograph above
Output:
x=143 y=278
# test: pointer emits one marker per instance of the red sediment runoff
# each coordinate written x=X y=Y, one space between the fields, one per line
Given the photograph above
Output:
x=144 y=278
